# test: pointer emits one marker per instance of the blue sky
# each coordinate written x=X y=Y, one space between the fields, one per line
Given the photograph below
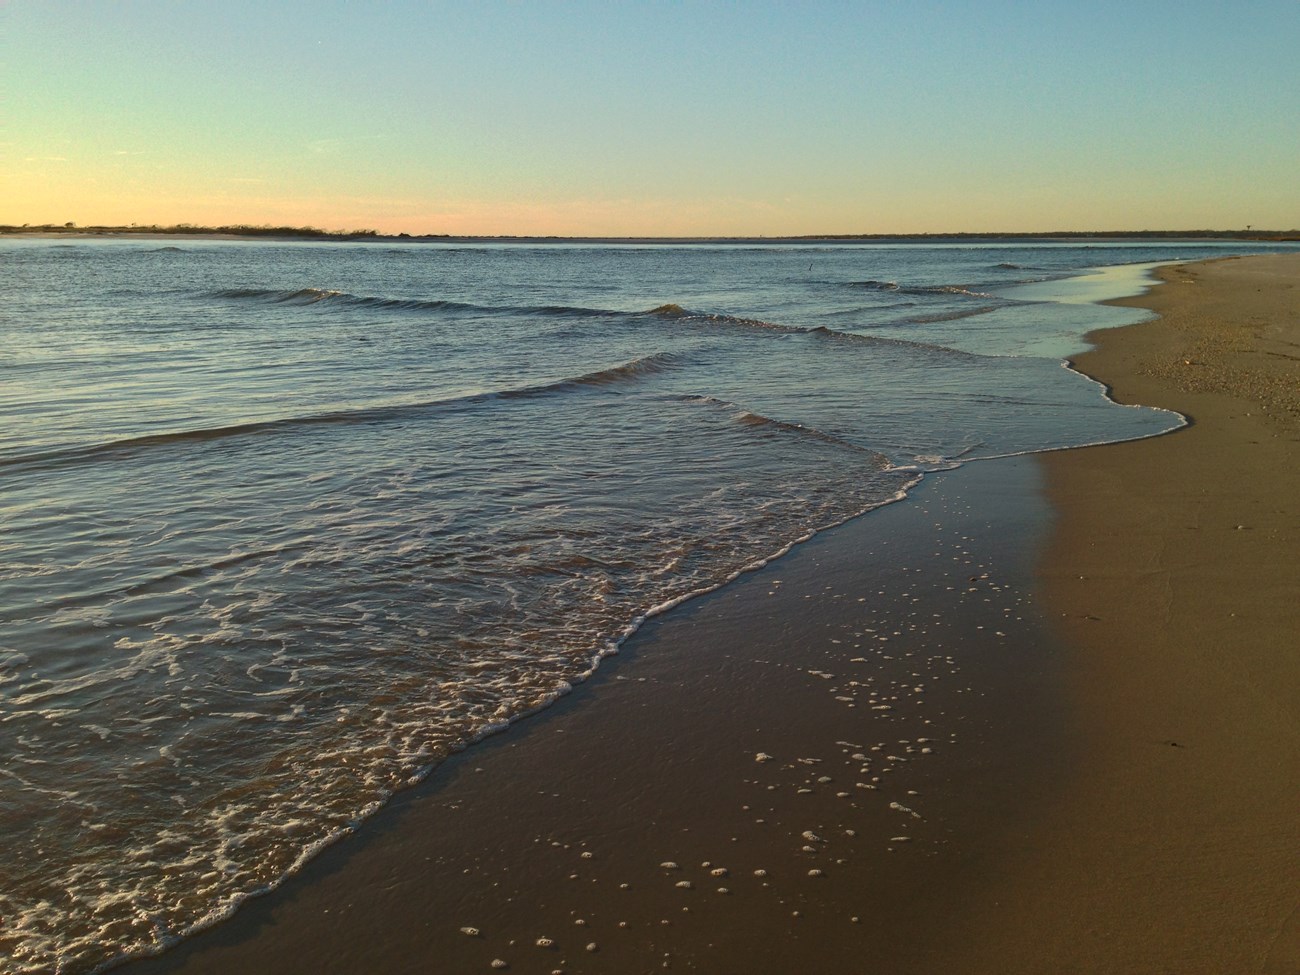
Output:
x=654 y=118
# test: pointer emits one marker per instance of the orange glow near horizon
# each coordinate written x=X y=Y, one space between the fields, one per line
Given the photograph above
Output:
x=53 y=201
x=654 y=121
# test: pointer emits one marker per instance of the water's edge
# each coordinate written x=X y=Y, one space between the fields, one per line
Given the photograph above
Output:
x=1116 y=282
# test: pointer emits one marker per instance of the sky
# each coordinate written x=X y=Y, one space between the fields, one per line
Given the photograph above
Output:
x=653 y=119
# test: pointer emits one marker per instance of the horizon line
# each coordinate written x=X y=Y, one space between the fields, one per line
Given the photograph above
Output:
x=308 y=232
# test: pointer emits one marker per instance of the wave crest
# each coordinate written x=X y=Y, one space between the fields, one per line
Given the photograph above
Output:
x=313 y=296
x=939 y=289
x=748 y=418
x=631 y=371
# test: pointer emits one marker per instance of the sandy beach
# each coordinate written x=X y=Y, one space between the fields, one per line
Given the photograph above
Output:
x=1173 y=577
x=972 y=732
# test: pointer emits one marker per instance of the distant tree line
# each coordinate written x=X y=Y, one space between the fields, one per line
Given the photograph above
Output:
x=1248 y=234
x=234 y=230
x=315 y=233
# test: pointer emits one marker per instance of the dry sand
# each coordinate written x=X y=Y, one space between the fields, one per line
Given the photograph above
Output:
x=978 y=794
x=1175 y=575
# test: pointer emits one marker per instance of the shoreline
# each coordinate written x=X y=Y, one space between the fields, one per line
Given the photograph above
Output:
x=998 y=871
x=1172 y=577
x=656 y=760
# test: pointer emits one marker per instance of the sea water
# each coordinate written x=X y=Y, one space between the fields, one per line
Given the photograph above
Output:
x=282 y=525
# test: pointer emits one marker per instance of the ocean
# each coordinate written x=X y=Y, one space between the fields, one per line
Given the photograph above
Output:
x=282 y=525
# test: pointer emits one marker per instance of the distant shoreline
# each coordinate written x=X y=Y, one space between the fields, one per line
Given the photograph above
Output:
x=245 y=232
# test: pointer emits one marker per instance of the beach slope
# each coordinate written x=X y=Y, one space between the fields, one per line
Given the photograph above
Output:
x=897 y=748
x=1174 y=576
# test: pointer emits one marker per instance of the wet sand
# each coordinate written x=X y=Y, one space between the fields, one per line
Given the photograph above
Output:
x=894 y=670
x=935 y=769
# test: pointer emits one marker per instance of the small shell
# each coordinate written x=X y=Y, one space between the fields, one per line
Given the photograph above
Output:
x=812 y=837
x=593 y=947
x=814 y=872
x=669 y=865
x=762 y=757
x=684 y=884
x=472 y=932
x=760 y=873
x=499 y=963
x=719 y=871
x=544 y=943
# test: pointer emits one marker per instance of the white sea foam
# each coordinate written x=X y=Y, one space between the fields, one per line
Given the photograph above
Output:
x=325 y=533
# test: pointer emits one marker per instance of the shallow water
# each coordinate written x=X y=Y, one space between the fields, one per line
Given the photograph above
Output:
x=285 y=524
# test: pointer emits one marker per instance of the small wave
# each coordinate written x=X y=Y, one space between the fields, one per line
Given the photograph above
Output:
x=647 y=365
x=65 y=456
x=952 y=315
x=929 y=348
x=312 y=296
x=570 y=311
x=303 y=296
x=937 y=289
x=748 y=418
x=678 y=313
x=948 y=289
x=858 y=311
x=168 y=250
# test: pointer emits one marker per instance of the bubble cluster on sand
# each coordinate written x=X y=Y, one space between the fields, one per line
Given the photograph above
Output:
x=817 y=810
